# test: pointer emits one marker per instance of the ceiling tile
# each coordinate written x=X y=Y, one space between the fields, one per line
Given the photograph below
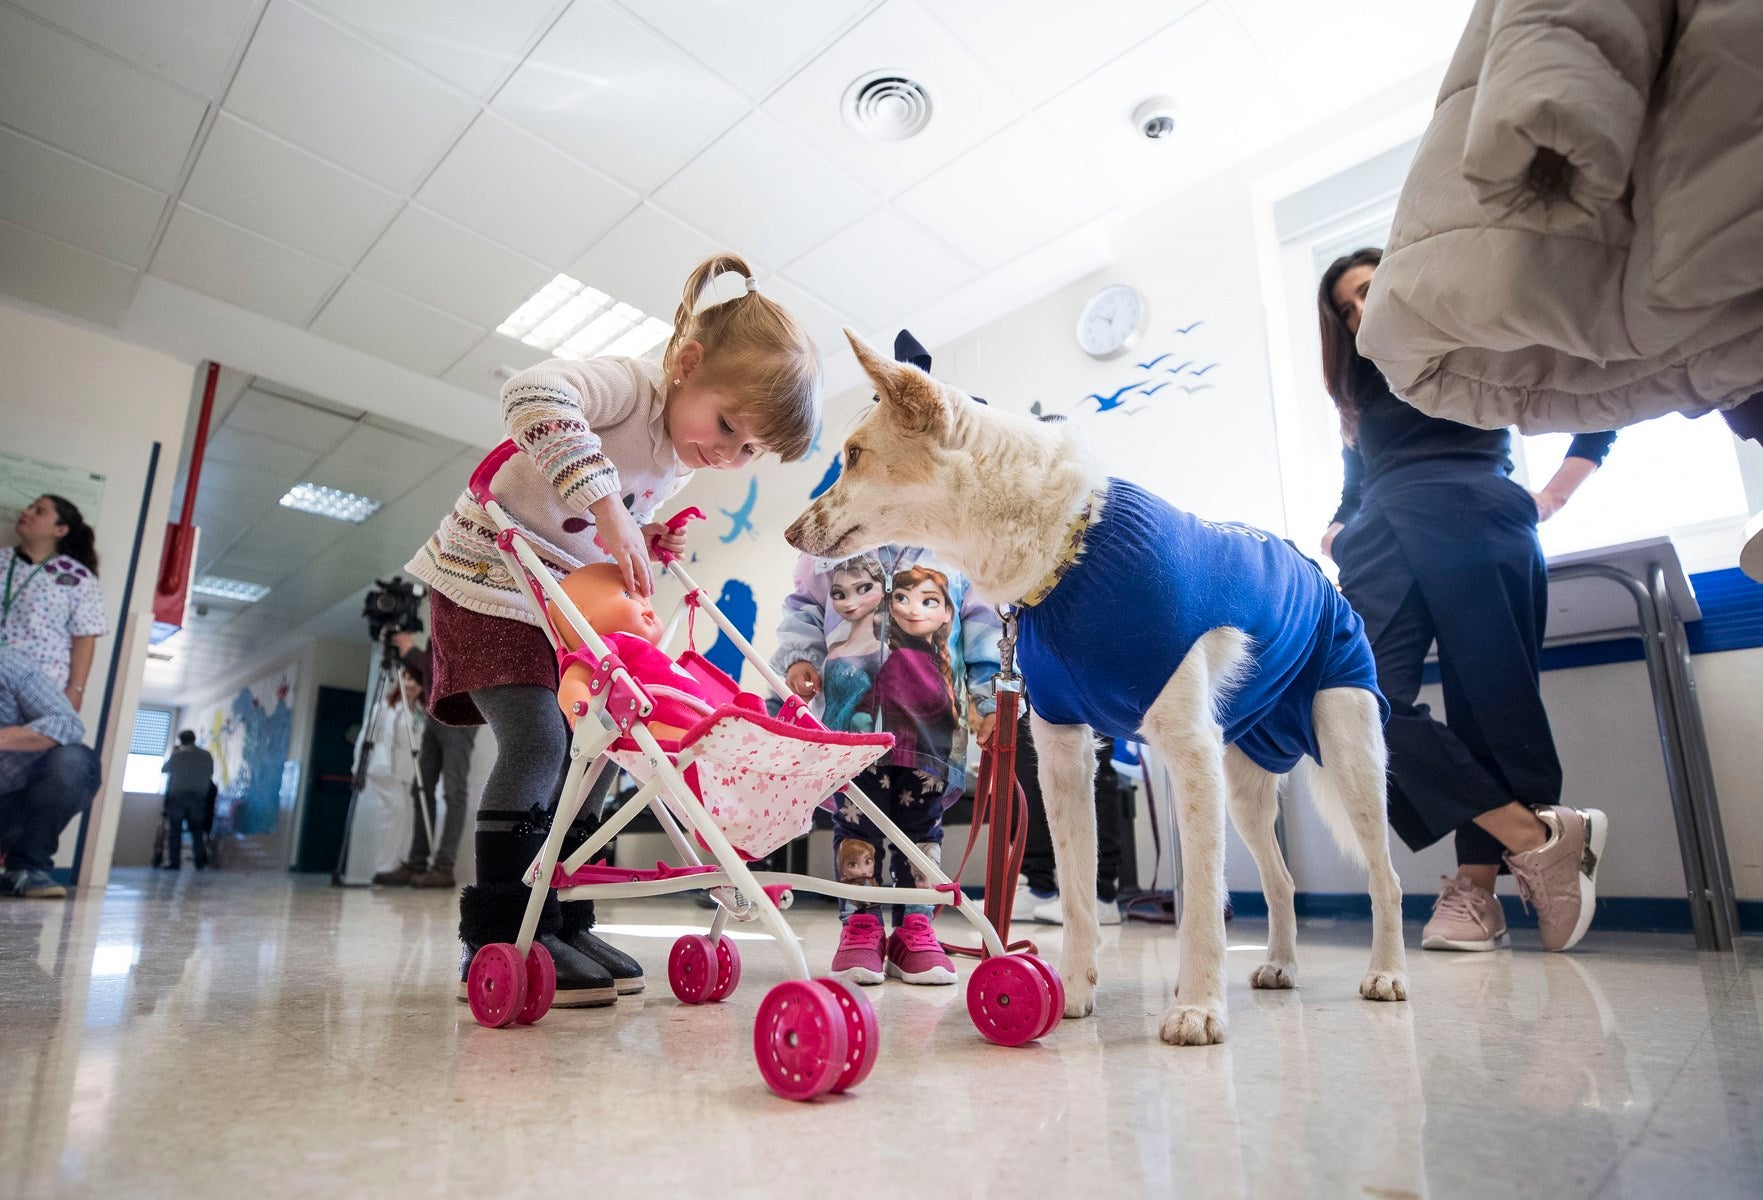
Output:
x=189 y=42
x=769 y=225
x=54 y=274
x=1388 y=40
x=1226 y=108
x=617 y=97
x=880 y=269
x=326 y=91
x=264 y=468
x=1041 y=47
x=446 y=265
x=68 y=198
x=466 y=42
x=751 y=46
x=257 y=180
x=487 y=367
x=507 y=184
x=645 y=260
x=241 y=267
x=289 y=421
x=396 y=328
x=1008 y=195
x=966 y=104
x=87 y=103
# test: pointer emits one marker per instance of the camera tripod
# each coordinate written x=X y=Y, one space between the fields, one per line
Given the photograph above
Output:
x=385 y=676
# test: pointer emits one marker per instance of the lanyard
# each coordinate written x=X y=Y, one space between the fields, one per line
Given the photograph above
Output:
x=11 y=597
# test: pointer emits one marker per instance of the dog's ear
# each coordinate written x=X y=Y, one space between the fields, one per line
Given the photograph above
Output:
x=914 y=396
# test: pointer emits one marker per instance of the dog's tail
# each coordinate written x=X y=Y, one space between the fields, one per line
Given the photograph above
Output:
x=1331 y=806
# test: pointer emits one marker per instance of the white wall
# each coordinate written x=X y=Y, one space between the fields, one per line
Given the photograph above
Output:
x=78 y=396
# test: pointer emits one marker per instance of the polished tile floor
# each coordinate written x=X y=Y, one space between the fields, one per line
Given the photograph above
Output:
x=259 y=1037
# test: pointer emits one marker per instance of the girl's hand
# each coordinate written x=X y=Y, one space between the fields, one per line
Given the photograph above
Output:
x=1548 y=504
x=803 y=679
x=617 y=534
x=671 y=540
x=985 y=727
x=1328 y=537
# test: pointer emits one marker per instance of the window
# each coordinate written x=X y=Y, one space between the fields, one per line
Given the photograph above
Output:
x=148 y=742
x=1689 y=479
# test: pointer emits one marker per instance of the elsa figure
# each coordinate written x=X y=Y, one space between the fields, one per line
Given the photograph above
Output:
x=857 y=590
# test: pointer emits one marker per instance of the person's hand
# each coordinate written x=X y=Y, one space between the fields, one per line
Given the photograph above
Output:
x=985 y=727
x=1328 y=537
x=618 y=535
x=1548 y=504
x=803 y=679
x=672 y=540
x=403 y=643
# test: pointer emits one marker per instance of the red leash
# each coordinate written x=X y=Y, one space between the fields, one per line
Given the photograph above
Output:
x=999 y=803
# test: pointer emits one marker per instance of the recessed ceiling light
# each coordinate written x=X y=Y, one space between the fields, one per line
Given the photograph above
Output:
x=229 y=589
x=887 y=106
x=568 y=318
x=323 y=501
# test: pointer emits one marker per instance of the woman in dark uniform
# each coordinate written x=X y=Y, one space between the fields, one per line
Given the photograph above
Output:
x=1435 y=541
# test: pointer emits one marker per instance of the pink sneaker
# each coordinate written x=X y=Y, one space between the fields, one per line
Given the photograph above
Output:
x=1464 y=918
x=915 y=955
x=859 y=957
x=1560 y=878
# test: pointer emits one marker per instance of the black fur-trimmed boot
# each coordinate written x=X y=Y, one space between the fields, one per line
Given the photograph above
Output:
x=578 y=919
x=491 y=910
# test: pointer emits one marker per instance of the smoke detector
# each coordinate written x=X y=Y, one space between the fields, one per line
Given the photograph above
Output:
x=1155 y=118
x=886 y=106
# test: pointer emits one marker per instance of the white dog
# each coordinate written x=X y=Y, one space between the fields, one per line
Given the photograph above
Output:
x=1256 y=661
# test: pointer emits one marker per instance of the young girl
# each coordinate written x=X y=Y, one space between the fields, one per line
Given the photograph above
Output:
x=379 y=824
x=604 y=443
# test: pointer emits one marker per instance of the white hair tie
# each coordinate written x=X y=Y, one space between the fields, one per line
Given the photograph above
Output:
x=730 y=285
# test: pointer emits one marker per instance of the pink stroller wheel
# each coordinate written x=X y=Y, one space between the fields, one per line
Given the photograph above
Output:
x=728 y=968
x=541 y=985
x=691 y=968
x=1008 y=1000
x=862 y=1034
x=799 y=1039
x=496 y=984
x=1055 y=985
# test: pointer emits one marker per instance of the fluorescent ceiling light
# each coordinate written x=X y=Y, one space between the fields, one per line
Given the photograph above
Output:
x=569 y=319
x=323 y=501
x=229 y=589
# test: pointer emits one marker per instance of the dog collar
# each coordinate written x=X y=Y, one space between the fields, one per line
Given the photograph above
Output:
x=1070 y=548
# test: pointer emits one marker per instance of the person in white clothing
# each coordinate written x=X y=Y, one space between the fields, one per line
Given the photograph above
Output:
x=379 y=825
x=51 y=607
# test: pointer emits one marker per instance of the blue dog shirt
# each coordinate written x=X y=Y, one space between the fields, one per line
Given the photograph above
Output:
x=1149 y=582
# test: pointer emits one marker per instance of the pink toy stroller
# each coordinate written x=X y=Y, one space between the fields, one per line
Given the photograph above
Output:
x=734 y=787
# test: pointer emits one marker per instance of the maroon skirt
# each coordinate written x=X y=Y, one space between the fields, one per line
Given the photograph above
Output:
x=469 y=650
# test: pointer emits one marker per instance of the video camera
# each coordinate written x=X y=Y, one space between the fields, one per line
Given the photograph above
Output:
x=393 y=606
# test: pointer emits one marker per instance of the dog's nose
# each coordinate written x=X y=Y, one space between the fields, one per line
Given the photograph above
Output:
x=793 y=535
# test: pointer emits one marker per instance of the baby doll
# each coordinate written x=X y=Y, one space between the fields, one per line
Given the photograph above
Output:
x=856 y=862
x=629 y=626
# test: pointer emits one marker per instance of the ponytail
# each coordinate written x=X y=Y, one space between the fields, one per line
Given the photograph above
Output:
x=754 y=350
x=80 y=542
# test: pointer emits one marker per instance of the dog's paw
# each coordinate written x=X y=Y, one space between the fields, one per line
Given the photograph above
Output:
x=1192 y=1025
x=1384 y=985
x=1274 y=975
x=1080 y=991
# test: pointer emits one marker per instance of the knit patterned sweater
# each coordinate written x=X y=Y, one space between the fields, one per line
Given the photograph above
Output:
x=585 y=430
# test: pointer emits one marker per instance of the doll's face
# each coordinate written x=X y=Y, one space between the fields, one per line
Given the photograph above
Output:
x=856 y=860
x=919 y=609
x=598 y=590
x=855 y=595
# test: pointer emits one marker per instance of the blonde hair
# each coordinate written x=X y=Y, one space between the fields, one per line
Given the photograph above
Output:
x=755 y=351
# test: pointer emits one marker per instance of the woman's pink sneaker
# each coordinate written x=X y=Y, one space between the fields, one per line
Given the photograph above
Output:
x=915 y=955
x=859 y=957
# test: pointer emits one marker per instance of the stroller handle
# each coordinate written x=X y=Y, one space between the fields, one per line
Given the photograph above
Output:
x=479 y=484
x=674 y=524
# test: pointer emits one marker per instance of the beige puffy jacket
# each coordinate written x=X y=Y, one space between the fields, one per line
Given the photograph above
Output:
x=1579 y=244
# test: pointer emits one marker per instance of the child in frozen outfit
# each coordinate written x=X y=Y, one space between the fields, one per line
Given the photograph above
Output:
x=905 y=659
x=603 y=444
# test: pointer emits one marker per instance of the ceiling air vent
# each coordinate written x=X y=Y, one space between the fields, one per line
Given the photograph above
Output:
x=887 y=106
